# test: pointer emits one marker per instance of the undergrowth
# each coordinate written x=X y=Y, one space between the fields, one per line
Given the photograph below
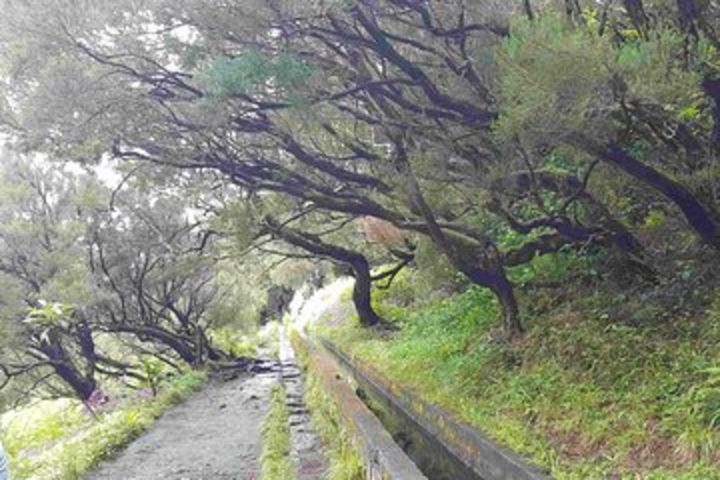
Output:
x=581 y=394
x=235 y=342
x=65 y=443
x=240 y=343
x=344 y=460
x=276 y=461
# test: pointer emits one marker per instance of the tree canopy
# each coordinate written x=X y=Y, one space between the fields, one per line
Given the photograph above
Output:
x=487 y=133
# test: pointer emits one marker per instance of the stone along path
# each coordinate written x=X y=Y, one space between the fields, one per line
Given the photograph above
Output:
x=306 y=446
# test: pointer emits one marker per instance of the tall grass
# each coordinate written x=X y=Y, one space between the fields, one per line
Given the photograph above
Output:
x=581 y=395
x=277 y=464
x=64 y=444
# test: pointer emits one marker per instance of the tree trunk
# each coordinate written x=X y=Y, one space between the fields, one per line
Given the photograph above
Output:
x=362 y=289
x=199 y=347
x=700 y=218
x=212 y=353
x=574 y=11
x=83 y=386
x=638 y=17
x=712 y=90
x=176 y=344
x=528 y=10
x=689 y=16
x=498 y=283
x=466 y=258
x=703 y=220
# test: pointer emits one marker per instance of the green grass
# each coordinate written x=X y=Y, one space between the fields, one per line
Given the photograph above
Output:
x=344 y=459
x=38 y=425
x=64 y=444
x=241 y=343
x=276 y=461
x=235 y=341
x=581 y=395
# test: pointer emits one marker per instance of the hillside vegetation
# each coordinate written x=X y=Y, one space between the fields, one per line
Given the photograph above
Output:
x=597 y=388
x=526 y=193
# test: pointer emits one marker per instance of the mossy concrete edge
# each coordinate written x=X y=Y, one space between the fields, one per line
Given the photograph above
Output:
x=479 y=453
x=384 y=459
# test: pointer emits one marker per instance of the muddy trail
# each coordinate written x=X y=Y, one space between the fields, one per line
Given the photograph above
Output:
x=215 y=435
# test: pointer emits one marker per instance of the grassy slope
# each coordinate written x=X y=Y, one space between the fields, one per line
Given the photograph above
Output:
x=583 y=396
x=61 y=442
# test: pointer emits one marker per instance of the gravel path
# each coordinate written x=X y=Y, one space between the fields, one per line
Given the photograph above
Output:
x=215 y=435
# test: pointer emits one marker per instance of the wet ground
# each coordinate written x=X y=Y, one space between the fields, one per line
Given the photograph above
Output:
x=214 y=435
x=306 y=448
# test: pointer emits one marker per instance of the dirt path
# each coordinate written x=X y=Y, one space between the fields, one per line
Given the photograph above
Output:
x=213 y=435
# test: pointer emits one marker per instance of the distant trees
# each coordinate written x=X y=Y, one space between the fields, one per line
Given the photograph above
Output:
x=48 y=289
x=158 y=282
x=493 y=130
x=74 y=270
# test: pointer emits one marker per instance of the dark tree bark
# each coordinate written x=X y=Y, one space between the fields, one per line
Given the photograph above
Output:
x=528 y=10
x=702 y=219
x=362 y=291
x=278 y=300
x=212 y=353
x=604 y=17
x=352 y=193
x=82 y=384
x=182 y=347
x=689 y=13
x=638 y=17
x=712 y=90
x=693 y=19
x=498 y=283
x=572 y=190
x=389 y=275
x=574 y=11
x=468 y=112
x=166 y=311
x=478 y=259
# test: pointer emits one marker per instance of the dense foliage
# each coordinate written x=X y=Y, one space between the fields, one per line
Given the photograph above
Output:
x=586 y=393
x=471 y=140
